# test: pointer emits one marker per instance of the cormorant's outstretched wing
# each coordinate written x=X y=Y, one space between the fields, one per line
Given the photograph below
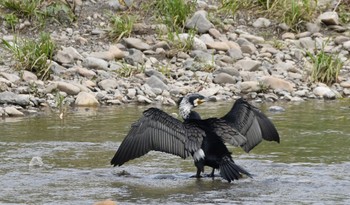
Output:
x=251 y=123
x=225 y=131
x=158 y=131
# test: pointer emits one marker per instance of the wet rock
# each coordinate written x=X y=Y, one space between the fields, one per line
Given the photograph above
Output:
x=36 y=162
x=136 y=43
x=200 y=22
x=324 y=92
x=131 y=93
x=68 y=88
x=108 y=84
x=86 y=99
x=14 y=99
x=276 y=108
x=13 y=112
x=296 y=99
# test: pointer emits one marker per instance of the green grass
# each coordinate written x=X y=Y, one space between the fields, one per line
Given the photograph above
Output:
x=344 y=12
x=326 y=67
x=127 y=70
x=36 y=11
x=121 y=26
x=174 y=13
x=33 y=55
x=292 y=12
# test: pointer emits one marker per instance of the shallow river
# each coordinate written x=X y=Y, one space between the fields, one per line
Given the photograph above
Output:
x=310 y=166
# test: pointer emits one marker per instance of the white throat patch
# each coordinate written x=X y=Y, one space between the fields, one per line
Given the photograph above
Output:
x=185 y=108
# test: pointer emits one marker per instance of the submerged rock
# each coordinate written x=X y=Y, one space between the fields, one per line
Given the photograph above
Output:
x=36 y=162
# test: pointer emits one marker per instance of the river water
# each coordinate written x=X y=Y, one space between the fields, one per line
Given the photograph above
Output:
x=310 y=166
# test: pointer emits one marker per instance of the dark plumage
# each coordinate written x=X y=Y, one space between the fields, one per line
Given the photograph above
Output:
x=203 y=139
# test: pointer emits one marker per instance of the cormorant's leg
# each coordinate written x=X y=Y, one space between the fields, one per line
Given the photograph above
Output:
x=198 y=174
x=200 y=168
x=212 y=173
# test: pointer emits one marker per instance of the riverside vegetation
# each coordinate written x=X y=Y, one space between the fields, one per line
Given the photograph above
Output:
x=110 y=52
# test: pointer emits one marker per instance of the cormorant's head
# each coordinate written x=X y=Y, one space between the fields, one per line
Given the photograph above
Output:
x=188 y=102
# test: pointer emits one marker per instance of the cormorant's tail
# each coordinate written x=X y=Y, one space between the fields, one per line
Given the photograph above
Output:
x=231 y=171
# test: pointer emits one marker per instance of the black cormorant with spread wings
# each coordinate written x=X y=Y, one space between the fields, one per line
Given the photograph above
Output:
x=203 y=139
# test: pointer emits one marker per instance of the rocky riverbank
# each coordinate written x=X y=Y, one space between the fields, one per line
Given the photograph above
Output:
x=227 y=62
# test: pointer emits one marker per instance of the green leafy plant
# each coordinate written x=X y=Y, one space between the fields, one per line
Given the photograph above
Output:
x=291 y=12
x=344 y=12
x=33 y=55
x=165 y=70
x=24 y=9
x=127 y=70
x=230 y=7
x=182 y=44
x=263 y=88
x=174 y=13
x=38 y=10
x=11 y=20
x=326 y=67
x=121 y=25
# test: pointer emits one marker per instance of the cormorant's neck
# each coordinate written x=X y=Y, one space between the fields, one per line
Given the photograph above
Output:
x=184 y=112
x=185 y=109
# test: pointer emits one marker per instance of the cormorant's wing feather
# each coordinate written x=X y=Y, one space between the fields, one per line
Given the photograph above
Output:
x=158 y=131
x=226 y=132
x=251 y=123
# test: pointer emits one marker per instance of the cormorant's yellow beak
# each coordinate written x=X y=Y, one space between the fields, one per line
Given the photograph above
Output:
x=198 y=102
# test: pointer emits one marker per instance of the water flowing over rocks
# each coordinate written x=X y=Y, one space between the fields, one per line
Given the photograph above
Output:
x=224 y=62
